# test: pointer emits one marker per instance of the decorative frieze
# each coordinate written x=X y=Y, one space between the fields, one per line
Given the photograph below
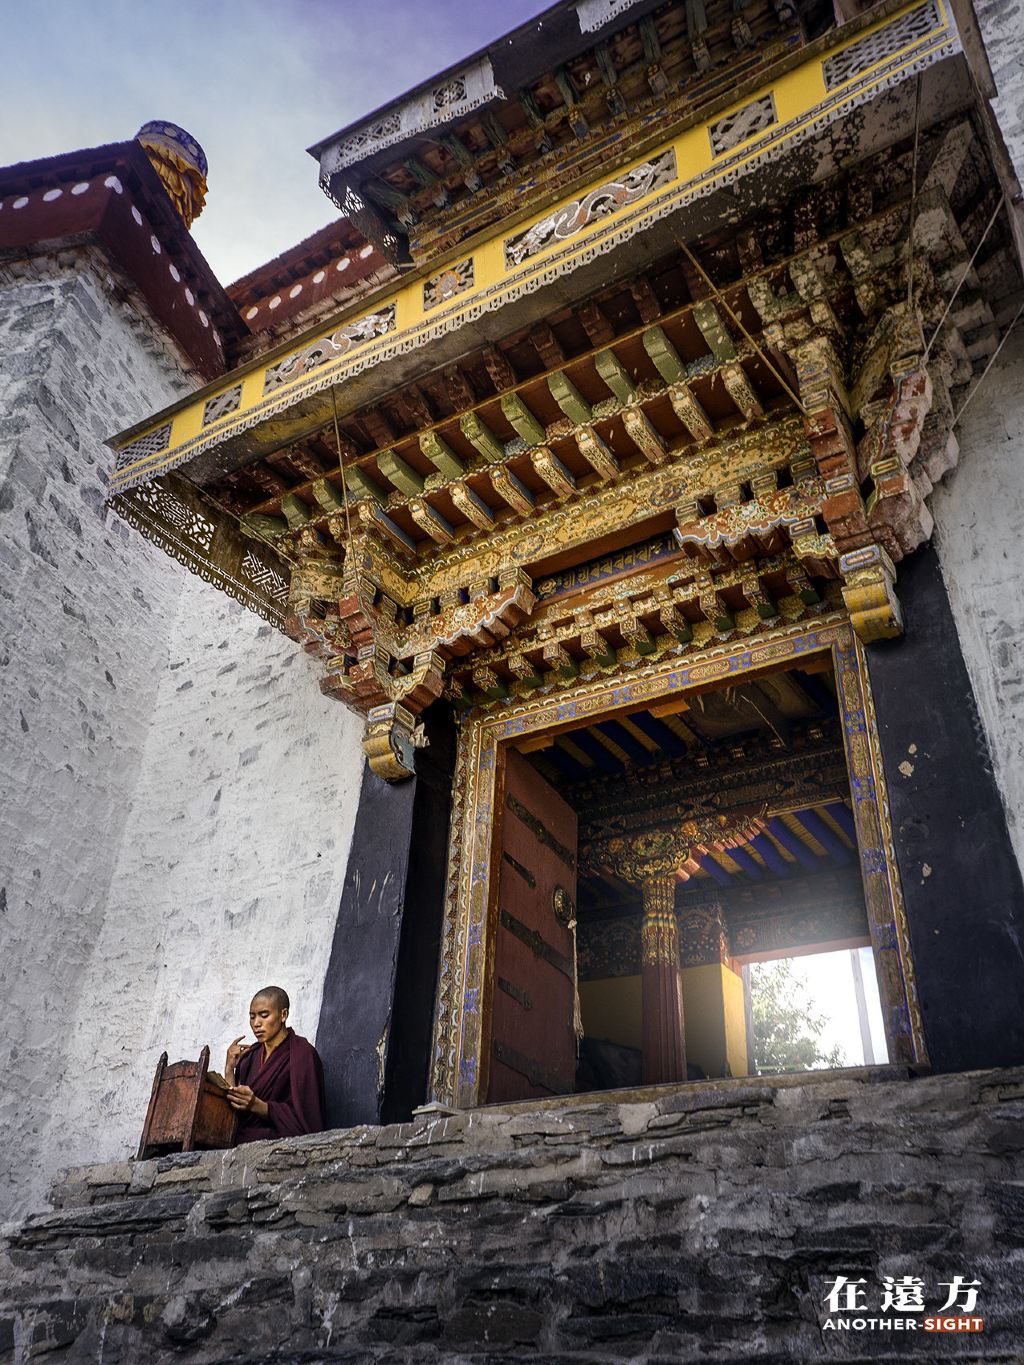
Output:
x=332 y=347
x=447 y=283
x=573 y=217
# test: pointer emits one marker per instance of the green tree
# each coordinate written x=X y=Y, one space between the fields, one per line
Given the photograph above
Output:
x=787 y=1029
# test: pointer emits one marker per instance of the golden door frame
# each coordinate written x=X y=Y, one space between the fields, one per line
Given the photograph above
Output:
x=458 y=1068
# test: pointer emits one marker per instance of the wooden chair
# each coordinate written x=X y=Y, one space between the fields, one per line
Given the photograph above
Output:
x=186 y=1111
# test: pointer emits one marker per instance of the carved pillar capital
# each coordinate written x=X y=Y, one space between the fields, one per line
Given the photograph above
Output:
x=869 y=591
x=392 y=736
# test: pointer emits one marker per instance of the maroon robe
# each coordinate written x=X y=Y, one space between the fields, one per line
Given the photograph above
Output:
x=291 y=1081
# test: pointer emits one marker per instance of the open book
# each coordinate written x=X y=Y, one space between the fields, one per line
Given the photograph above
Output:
x=216 y=1079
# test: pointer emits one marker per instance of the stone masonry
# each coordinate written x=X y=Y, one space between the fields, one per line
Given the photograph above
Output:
x=176 y=797
x=693 y=1223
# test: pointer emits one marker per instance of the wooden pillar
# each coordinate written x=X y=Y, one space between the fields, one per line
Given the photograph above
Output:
x=663 y=1041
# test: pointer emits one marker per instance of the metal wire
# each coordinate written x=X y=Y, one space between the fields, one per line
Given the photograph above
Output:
x=720 y=298
x=967 y=270
x=341 y=470
x=991 y=361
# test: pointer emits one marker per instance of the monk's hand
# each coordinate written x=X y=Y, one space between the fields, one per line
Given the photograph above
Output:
x=236 y=1051
x=241 y=1097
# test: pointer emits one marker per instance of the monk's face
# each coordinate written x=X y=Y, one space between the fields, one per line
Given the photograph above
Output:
x=266 y=1020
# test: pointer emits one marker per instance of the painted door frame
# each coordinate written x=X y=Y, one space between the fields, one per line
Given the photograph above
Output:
x=467 y=948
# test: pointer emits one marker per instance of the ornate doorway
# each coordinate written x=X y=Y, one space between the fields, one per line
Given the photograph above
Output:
x=468 y=1023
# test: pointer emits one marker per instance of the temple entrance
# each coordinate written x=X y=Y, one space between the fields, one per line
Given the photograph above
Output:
x=677 y=885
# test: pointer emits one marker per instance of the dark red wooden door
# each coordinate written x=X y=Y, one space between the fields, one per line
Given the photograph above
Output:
x=533 y=1042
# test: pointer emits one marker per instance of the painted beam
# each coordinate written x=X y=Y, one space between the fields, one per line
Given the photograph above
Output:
x=522 y=420
x=714 y=869
x=441 y=456
x=360 y=485
x=657 y=730
x=817 y=829
x=773 y=859
x=615 y=375
x=401 y=474
x=618 y=732
x=745 y=863
x=843 y=816
x=480 y=436
x=665 y=356
x=565 y=763
x=569 y=399
x=794 y=845
x=594 y=749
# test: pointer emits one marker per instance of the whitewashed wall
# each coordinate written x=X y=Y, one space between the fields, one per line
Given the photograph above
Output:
x=230 y=869
x=979 y=535
x=176 y=797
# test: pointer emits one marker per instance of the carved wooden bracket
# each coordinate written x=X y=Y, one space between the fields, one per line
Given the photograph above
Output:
x=669 y=850
x=386 y=652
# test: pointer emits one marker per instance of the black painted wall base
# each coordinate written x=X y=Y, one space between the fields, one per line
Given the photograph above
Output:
x=961 y=880
x=377 y=1013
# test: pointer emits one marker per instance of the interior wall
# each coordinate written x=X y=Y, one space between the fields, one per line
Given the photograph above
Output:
x=612 y=1010
x=176 y=796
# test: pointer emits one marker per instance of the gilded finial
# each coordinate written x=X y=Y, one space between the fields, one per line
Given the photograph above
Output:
x=180 y=163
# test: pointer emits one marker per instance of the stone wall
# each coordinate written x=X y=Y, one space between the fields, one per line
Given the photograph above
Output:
x=693 y=1223
x=979 y=513
x=176 y=797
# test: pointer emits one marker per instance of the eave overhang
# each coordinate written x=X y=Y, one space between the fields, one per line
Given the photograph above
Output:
x=704 y=176
x=112 y=195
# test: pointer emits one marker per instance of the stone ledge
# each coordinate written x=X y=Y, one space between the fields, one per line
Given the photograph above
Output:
x=693 y=1223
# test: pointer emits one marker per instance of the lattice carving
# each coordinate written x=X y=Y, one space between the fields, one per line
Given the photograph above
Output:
x=878 y=46
x=594 y=14
x=222 y=404
x=378 y=134
x=264 y=577
x=454 y=92
x=188 y=523
x=736 y=127
x=150 y=444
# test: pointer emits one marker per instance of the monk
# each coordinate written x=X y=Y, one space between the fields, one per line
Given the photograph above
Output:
x=277 y=1083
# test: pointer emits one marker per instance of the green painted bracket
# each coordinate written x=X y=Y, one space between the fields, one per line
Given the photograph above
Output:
x=402 y=475
x=441 y=456
x=481 y=437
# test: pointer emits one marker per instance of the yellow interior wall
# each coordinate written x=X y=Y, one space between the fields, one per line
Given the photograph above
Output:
x=735 y=1022
x=611 y=1009
x=713 y=1016
x=714 y=1020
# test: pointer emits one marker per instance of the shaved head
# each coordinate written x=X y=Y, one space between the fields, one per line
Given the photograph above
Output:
x=277 y=997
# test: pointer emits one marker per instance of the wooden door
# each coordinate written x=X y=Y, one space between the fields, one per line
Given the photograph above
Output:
x=533 y=1041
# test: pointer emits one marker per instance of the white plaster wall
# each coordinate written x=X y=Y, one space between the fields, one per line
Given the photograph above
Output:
x=1002 y=30
x=979 y=525
x=169 y=771
x=230 y=869
x=84 y=612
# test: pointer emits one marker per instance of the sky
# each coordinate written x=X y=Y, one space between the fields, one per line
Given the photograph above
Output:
x=254 y=81
x=829 y=981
